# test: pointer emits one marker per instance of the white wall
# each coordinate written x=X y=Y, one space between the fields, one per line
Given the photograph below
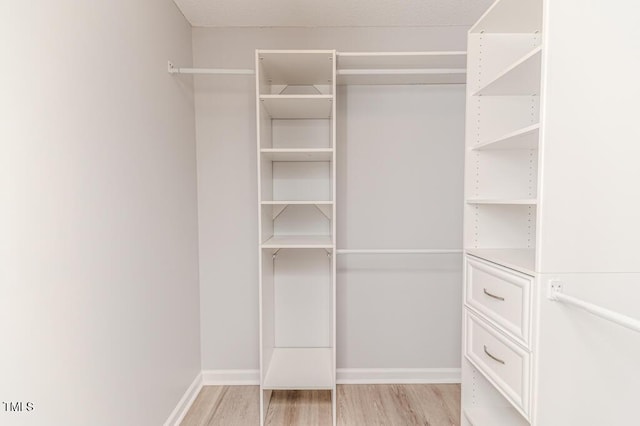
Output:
x=99 y=312
x=406 y=143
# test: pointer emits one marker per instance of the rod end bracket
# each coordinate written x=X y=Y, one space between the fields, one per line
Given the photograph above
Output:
x=555 y=287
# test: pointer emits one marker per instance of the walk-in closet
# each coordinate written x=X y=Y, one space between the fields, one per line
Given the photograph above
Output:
x=332 y=213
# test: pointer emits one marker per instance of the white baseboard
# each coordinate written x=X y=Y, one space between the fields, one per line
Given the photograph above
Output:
x=178 y=413
x=230 y=377
x=345 y=376
x=361 y=376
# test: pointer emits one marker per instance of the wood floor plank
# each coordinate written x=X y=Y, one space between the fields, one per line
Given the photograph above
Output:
x=358 y=405
x=299 y=408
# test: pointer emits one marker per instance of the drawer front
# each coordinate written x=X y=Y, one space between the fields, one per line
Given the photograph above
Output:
x=501 y=360
x=502 y=295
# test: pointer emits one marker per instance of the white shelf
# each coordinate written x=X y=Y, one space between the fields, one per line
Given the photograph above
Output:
x=298 y=241
x=298 y=106
x=300 y=368
x=511 y=16
x=525 y=138
x=527 y=202
x=311 y=154
x=520 y=78
x=492 y=416
x=401 y=68
x=522 y=260
x=296 y=202
x=297 y=67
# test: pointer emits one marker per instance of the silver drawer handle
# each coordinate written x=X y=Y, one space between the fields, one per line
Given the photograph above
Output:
x=493 y=295
x=491 y=356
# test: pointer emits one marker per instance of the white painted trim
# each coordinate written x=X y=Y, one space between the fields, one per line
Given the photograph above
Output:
x=178 y=413
x=345 y=376
x=230 y=377
x=356 y=376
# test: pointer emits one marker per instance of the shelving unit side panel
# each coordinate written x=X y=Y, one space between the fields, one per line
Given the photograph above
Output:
x=590 y=134
x=332 y=259
x=302 y=298
x=267 y=319
x=478 y=394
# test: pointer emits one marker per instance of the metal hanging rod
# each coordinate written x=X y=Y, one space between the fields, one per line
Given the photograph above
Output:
x=396 y=71
x=220 y=71
x=399 y=251
x=556 y=294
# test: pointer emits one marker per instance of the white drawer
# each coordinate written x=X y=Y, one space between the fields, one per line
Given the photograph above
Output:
x=502 y=295
x=501 y=360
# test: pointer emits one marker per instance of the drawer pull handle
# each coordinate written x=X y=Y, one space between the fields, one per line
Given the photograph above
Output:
x=491 y=356
x=493 y=295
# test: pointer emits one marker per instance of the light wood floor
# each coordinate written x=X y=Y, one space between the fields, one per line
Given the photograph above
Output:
x=358 y=405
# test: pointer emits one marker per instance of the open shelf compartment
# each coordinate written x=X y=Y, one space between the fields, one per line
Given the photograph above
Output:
x=511 y=16
x=296 y=67
x=297 y=106
x=519 y=78
x=300 y=368
x=519 y=259
x=524 y=138
x=494 y=416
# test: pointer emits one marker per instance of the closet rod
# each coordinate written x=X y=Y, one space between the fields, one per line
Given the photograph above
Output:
x=220 y=71
x=556 y=294
x=400 y=71
x=398 y=251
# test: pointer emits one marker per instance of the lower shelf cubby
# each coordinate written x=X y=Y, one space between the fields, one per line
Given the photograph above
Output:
x=297 y=323
x=300 y=368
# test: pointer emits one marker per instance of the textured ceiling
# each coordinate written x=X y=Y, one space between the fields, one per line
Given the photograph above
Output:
x=331 y=13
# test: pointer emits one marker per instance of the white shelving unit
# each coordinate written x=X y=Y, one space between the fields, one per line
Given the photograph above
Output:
x=296 y=178
x=501 y=191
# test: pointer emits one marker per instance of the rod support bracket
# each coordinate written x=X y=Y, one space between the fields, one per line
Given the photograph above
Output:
x=275 y=254
x=171 y=68
x=555 y=287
